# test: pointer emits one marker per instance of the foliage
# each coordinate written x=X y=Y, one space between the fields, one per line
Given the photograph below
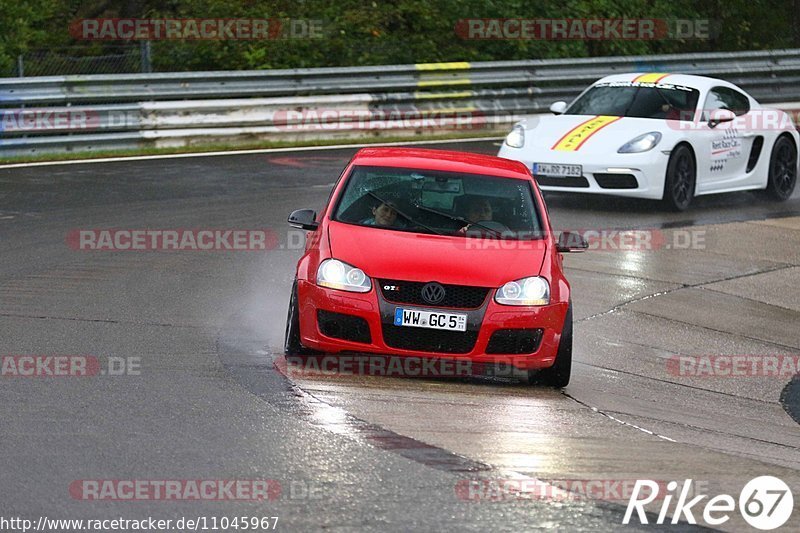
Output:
x=365 y=32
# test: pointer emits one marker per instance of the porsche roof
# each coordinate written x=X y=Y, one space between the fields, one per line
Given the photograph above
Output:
x=689 y=80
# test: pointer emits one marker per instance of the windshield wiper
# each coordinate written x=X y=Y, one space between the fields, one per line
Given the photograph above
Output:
x=404 y=215
x=458 y=219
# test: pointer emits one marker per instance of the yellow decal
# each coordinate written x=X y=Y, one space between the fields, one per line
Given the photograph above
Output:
x=455 y=65
x=653 y=77
x=443 y=95
x=574 y=138
x=444 y=82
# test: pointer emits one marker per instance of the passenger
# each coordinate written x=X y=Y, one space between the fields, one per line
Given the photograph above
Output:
x=384 y=215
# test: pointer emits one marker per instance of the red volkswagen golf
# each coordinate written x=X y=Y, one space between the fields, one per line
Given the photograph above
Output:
x=431 y=253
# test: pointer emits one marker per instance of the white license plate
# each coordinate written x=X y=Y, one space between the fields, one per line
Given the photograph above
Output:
x=557 y=170
x=429 y=319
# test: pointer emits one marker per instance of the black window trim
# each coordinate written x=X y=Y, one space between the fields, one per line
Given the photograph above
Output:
x=705 y=108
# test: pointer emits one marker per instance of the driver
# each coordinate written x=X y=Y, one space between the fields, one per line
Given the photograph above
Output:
x=478 y=210
x=384 y=215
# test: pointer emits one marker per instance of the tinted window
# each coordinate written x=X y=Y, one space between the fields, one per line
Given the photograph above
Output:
x=634 y=99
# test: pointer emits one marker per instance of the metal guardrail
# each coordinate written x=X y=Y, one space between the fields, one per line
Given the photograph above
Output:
x=77 y=113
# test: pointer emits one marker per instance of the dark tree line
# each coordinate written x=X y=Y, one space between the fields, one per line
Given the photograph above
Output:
x=395 y=31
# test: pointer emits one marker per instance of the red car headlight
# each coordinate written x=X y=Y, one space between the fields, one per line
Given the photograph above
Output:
x=336 y=274
x=525 y=291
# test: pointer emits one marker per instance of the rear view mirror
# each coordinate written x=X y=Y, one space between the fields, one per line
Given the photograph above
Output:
x=571 y=242
x=558 y=108
x=304 y=219
x=720 y=115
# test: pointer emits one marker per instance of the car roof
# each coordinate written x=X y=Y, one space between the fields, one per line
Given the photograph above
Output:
x=442 y=160
x=697 y=82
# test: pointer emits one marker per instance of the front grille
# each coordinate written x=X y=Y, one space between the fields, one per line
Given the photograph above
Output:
x=616 y=181
x=456 y=296
x=514 y=341
x=562 y=182
x=429 y=340
x=345 y=327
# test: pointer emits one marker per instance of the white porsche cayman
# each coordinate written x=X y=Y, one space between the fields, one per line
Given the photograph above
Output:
x=667 y=137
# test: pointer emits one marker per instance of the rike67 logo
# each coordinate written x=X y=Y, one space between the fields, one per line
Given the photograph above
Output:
x=765 y=503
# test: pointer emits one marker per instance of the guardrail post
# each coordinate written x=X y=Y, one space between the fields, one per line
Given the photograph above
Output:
x=146 y=64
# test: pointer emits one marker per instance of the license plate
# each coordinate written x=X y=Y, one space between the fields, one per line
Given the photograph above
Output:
x=429 y=319
x=557 y=170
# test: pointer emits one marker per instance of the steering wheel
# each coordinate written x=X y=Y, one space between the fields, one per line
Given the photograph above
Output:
x=490 y=228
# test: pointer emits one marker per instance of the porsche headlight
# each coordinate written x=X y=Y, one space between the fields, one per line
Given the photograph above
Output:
x=526 y=291
x=516 y=139
x=642 y=143
x=336 y=274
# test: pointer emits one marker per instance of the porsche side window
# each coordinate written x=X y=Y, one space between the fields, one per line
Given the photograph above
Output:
x=725 y=98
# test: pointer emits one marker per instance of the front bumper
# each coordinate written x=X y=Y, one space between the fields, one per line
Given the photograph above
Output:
x=376 y=312
x=646 y=171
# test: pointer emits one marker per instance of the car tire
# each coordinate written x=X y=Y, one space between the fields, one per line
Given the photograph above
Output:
x=782 y=170
x=557 y=375
x=679 y=185
x=292 y=344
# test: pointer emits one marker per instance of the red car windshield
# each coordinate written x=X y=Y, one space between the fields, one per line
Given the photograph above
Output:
x=444 y=203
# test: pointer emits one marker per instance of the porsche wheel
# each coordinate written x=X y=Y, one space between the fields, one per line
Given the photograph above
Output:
x=782 y=170
x=680 y=180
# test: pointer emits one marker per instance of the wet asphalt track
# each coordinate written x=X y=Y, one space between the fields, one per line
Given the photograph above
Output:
x=356 y=453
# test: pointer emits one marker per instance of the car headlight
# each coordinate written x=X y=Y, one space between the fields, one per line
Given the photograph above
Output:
x=516 y=139
x=526 y=291
x=336 y=274
x=642 y=143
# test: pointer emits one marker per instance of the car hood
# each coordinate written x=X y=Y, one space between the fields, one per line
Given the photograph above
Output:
x=587 y=134
x=398 y=255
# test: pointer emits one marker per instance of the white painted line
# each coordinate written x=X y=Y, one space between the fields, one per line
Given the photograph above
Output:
x=239 y=152
x=615 y=419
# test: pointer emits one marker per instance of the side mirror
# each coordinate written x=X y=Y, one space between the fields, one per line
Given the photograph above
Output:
x=571 y=242
x=558 y=108
x=720 y=115
x=304 y=219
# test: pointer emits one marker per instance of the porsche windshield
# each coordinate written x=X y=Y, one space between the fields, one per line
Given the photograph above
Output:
x=637 y=99
x=443 y=203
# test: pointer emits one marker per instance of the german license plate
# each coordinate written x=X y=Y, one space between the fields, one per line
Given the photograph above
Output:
x=429 y=319
x=557 y=170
